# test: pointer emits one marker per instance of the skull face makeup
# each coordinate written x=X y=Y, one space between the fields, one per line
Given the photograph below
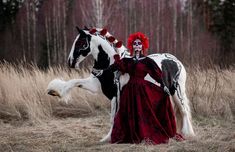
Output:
x=138 y=42
x=137 y=45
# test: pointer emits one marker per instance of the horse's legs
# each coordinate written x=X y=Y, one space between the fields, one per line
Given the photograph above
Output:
x=91 y=84
x=183 y=109
x=183 y=115
x=107 y=138
x=58 y=87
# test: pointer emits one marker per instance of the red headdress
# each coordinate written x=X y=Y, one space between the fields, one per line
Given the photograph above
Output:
x=140 y=36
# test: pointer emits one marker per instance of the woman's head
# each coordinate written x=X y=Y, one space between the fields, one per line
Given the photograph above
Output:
x=138 y=42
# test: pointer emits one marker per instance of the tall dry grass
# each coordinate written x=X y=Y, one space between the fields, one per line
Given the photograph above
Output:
x=23 y=94
x=212 y=92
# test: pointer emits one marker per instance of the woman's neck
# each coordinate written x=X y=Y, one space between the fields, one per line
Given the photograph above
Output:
x=137 y=54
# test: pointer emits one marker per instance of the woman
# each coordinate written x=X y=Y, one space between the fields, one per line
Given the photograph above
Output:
x=145 y=112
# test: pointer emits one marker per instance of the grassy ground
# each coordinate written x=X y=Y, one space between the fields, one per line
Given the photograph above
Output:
x=83 y=134
x=31 y=120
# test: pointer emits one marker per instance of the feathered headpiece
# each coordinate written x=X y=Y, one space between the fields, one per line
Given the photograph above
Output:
x=140 y=36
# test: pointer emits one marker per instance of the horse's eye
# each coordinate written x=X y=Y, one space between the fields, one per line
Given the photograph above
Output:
x=80 y=43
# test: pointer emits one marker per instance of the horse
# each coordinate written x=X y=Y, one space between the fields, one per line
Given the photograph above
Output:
x=103 y=46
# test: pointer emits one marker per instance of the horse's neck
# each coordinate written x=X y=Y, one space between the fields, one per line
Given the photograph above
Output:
x=101 y=48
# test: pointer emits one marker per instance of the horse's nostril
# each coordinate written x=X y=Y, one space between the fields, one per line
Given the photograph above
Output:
x=69 y=63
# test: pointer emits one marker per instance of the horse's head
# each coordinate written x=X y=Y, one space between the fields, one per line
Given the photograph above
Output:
x=97 y=42
x=80 y=48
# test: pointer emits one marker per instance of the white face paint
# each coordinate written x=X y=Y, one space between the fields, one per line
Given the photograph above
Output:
x=137 y=45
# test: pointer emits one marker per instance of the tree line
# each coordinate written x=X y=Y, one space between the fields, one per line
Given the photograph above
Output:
x=198 y=32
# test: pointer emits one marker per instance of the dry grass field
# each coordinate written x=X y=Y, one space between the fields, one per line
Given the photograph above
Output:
x=31 y=120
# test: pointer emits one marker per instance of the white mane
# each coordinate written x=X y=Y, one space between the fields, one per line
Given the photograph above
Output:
x=109 y=46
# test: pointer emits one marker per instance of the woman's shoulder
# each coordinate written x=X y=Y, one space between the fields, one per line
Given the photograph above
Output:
x=148 y=59
x=127 y=59
x=150 y=62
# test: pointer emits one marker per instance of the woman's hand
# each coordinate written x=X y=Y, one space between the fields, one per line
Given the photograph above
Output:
x=97 y=72
x=166 y=90
x=116 y=57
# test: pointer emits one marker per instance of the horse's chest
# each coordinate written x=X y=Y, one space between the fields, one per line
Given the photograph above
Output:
x=108 y=86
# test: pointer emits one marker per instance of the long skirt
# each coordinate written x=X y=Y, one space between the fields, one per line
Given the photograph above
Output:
x=145 y=115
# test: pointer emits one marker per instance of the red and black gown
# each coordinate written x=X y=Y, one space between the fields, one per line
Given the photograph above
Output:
x=145 y=111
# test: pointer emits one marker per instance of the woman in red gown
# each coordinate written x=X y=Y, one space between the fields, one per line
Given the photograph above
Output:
x=145 y=112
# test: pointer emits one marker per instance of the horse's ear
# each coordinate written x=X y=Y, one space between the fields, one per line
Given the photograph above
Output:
x=78 y=29
x=86 y=28
x=118 y=44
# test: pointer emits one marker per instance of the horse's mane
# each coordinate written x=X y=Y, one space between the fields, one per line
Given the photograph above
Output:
x=103 y=33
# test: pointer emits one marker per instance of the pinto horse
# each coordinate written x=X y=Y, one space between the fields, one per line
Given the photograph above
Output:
x=103 y=46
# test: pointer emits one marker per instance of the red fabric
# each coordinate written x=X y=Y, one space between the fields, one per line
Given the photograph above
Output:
x=140 y=36
x=145 y=113
x=116 y=58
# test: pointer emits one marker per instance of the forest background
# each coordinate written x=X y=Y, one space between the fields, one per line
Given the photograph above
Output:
x=36 y=37
x=198 y=32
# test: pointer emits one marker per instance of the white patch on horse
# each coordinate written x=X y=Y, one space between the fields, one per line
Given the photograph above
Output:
x=72 y=49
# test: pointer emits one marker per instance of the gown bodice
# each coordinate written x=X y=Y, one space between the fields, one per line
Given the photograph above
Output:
x=138 y=69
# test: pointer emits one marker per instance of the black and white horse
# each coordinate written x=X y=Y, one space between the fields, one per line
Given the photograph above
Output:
x=103 y=46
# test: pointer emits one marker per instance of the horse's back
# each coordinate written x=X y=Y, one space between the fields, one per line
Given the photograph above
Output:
x=171 y=67
x=159 y=57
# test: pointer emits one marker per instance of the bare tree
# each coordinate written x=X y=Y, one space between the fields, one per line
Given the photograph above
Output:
x=190 y=30
x=47 y=21
x=22 y=41
x=28 y=26
x=34 y=31
x=98 y=8
x=174 y=25
x=64 y=30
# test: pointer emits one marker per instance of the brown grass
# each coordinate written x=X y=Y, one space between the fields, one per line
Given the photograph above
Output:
x=212 y=92
x=23 y=94
x=31 y=120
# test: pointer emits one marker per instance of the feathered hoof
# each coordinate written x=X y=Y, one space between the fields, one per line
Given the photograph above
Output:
x=106 y=139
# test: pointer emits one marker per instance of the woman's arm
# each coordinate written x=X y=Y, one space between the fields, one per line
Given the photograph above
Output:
x=156 y=73
x=117 y=65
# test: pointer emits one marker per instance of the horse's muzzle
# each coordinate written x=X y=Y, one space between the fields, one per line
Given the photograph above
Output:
x=53 y=93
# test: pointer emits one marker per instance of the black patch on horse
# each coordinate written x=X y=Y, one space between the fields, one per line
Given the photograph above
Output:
x=170 y=74
x=103 y=60
x=109 y=88
x=82 y=46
